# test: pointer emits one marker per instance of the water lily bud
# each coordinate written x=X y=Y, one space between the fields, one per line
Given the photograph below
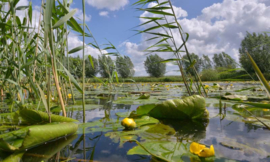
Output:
x=128 y=123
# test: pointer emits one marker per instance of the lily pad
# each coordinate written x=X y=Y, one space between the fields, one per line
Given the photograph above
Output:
x=144 y=96
x=156 y=132
x=33 y=116
x=235 y=97
x=169 y=151
x=135 y=100
x=114 y=125
x=192 y=107
x=35 y=135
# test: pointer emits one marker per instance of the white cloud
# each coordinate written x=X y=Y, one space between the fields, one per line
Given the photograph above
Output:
x=74 y=41
x=79 y=15
x=135 y=51
x=220 y=27
x=108 y=4
x=104 y=13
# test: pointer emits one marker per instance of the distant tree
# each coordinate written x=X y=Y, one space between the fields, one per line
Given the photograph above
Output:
x=187 y=64
x=224 y=60
x=89 y=70
x=206 y=63
x=258 y=46
x=75 y=64
x=124 y=66
x=154 y=67
x=106 y=66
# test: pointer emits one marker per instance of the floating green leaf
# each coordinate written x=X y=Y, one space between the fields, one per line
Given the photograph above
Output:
x=33 y=116
x=35 y=135
x=144 y=96
x=192 y=107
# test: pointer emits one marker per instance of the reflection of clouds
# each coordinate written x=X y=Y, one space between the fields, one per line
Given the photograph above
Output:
x=90 y=115
x=231 y=131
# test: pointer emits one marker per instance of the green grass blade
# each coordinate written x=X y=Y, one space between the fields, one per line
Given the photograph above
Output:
x=259 y=74
x=47 y=18
x=30 y=12
x=72 y=79
x=42 y=95
x=91 y=61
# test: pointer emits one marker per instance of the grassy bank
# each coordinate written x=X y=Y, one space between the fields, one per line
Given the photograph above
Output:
x=140 y=79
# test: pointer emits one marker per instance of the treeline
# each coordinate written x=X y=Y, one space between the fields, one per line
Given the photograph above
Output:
x=222 y=66
x=104 y=65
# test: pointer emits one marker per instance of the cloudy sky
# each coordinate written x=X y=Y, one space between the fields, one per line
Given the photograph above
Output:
x=214 y=26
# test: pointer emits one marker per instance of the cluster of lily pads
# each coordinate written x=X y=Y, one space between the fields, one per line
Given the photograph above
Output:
x=147 y=124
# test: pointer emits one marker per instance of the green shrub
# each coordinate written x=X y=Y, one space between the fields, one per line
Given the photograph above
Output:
x=209 y=75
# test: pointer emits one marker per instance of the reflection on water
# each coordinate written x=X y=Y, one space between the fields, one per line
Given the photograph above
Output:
x=232 y=138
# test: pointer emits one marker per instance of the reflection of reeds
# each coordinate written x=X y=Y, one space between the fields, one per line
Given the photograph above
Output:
x=259 y=74
x=257 y=118
x=166 y=40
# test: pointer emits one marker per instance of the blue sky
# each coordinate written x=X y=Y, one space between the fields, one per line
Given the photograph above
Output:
x=214 y=26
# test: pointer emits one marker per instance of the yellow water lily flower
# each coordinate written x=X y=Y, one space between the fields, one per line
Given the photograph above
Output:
x=265 y=109
x=206 y=86
x=142 y=84
x=231 y=85
x=196 y=148
x=207 y=152
x=45 y=96
x=201 y=150
x=69 y=95
x=128 y=123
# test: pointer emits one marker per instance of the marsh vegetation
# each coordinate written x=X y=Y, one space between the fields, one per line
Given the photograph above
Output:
x=54 y=108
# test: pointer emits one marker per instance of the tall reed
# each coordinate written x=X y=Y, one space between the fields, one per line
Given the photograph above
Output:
x=166 y=41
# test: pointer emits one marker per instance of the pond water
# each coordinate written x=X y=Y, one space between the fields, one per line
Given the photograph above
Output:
x=235 y=135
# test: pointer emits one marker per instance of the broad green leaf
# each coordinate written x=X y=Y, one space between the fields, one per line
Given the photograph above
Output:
x=76 y=49
x=144 y=96
x=65 y=18
x=168 y=151
x=35 y=135
x=72 y=22
x=192 y=107
x=153 y=132
x=49 y=150
x=142 y=110
x=33 y=116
